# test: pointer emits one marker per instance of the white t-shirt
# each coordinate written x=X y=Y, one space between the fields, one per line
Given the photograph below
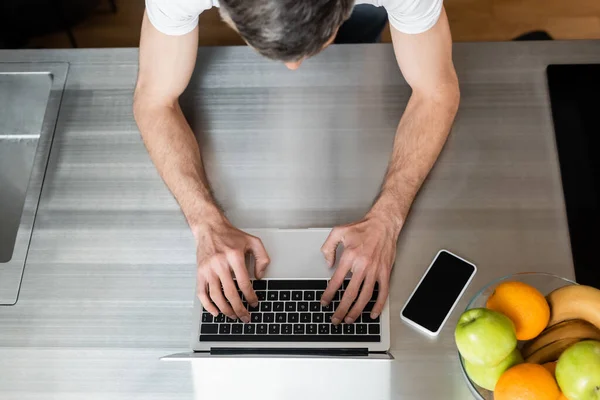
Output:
x=178 y=17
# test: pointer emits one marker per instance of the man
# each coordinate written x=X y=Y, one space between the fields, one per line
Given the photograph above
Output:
x=291 y=31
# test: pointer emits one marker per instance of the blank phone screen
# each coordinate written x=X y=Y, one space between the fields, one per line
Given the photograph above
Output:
x=438 y=291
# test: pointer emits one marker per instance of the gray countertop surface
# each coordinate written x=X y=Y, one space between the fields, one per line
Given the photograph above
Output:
x=109 y=282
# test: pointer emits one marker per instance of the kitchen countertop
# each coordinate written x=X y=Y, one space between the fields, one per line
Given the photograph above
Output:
x=109 y=280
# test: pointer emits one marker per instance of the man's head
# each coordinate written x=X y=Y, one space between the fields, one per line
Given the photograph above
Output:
x=286 y=30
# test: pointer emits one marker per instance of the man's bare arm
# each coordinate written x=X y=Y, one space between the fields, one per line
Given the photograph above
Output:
x=166 y=66
x=370 y=244
x=426 y=63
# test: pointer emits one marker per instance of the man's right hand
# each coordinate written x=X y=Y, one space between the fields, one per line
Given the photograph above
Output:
x=221 y=251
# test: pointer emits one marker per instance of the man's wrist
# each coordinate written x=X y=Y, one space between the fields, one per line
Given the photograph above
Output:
x=390 y=211
x=207 y=218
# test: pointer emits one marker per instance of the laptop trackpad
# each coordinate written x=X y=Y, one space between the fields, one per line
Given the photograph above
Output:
x=294 y=253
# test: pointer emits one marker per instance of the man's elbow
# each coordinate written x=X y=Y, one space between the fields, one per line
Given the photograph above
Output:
x=448 y=95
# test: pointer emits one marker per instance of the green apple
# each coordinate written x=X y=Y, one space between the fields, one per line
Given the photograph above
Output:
x=485 y=337
x=486 y=377
x=578 y=371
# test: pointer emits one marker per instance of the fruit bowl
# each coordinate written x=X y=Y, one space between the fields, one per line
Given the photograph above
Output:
x=543 y=282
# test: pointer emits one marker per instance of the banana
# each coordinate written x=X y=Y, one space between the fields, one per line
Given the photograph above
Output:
x=574 y=302
x=571 y=329
x=551 y=352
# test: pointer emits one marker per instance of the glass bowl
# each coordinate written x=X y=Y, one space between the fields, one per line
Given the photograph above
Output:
x=543 y=282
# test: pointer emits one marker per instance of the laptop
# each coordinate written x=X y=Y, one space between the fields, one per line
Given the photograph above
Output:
x=290 y=320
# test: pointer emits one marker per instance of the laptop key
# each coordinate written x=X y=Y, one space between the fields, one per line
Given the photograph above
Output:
x=311 y=329
x=280 y=317
x=293 y=317
x=298 y=329
x=323 y=329
x=249 y=329
x=361 y=329
x=286 y=329
x=259 y=285
x=337 y=296
x=302 y=306
x=262 y=295
x=290 y=306
x=285 y=295
x=318 y=295
x=369 y=306
x=305 y=317
x=220 y=318
x=309 y=295
x=336 y=329
x=256 y=317
x=317 y=317
x=272 y=296
x=265 y=306
x=209 y=328
x=224 y=329
x=206 y=317
x=237 y=329
x=268 y=317
x=366 y=318
x=373 y=329
x=296 y=295
x=253 y=309
x=273 y=329
x=227 y=319
x=328 y=317
x=261 y=329
x=315 y=306
x=328 y=307
x=348 y=329
x=278 y=306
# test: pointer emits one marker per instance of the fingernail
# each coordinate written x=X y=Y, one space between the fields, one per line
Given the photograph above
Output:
x=374 y=315
x=349 y=320
x=335 y=320
x=233 y=317
x=246 y=319
x=216 y=314
x=255 y=304
x=323 y=303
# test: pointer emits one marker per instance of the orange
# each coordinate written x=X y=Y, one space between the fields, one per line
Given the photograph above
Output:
x=524 y=305
x=551 y=367
x=562 y=397
x=526 y=382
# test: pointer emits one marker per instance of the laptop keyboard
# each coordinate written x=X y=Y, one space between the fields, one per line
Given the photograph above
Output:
x=291 y=311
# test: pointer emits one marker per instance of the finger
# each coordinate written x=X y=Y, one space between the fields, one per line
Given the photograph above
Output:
x=350 y=295
x=231 y=293
x=363 y=298
x=216 y=294
x=238 y=265
x=207 y=304
x=384 y=289
x=330 y=245
x=261 y=257
x=338 y=277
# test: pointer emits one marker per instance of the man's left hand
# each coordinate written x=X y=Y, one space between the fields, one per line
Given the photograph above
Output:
x=369 y=253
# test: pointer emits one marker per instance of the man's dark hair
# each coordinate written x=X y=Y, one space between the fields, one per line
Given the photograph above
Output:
x=286 y=30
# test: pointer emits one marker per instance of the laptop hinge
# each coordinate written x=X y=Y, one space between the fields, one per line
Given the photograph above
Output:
x=349 y=352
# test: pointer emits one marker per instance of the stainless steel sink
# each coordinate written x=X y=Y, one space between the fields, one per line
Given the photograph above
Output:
x=30 y=97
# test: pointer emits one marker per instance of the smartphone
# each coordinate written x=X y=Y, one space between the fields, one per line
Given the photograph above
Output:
x=437 y=293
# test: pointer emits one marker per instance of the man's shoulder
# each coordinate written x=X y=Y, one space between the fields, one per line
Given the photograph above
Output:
x=177 y=17
x=410 y=16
